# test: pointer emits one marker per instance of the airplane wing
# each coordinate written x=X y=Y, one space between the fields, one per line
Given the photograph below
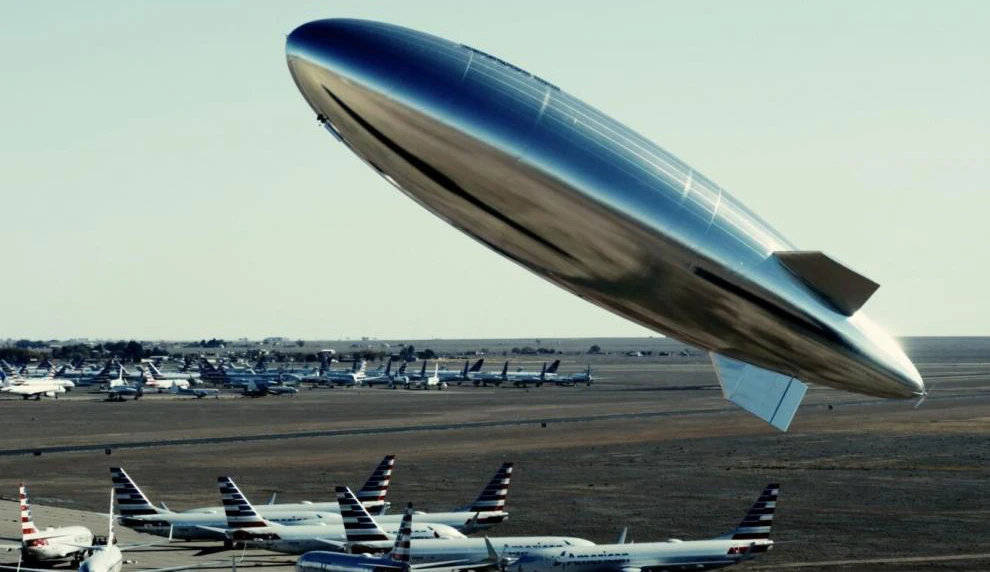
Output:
x=332 y=543
x=630 y=569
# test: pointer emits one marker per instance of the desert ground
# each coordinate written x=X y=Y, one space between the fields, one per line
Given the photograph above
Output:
x=866 y=484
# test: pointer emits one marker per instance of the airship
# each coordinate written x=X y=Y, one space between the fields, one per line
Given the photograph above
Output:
x=576 y=197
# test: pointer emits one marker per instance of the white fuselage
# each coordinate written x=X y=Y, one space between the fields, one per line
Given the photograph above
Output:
x=209 y=525
x=693 y=555
x=474 y=549
x=320 y=506
x=302 y=539
x=103 y=559
x=56 y=543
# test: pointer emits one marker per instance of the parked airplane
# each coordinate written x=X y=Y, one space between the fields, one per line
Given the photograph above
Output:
x=396 y=560
x=47 y=387
x=485 y=377
x=750 y=538
x=51 y=544
x=364 y=535
x=245 y=525
x=584 y=377
x=350 y=378
x=424 y=382
x=155 y=379
x=197 y=392
x=522 y=375
x=372 y=496
x=465 y=374
x=119 y=388
x=486 y=511
x=264 y=388
x=137 y=513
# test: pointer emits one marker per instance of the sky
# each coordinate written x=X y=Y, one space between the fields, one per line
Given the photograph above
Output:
x=162 y=178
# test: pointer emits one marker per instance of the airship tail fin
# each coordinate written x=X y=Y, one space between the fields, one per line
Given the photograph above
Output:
x=771 y=396
x=843 y=288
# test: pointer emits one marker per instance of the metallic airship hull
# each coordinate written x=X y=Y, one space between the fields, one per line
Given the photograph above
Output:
x=576 y=197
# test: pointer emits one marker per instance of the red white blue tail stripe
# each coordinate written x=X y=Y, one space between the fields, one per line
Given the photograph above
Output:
x=27 y=525
x=756 y=525
x=493 y=497
x=400 y=552
x=376 y=487
x=131 y=501
x=240 y=513
x=358 y=524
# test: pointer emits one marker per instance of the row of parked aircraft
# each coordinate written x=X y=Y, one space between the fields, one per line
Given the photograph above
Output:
x=354 y=533
x=119 y=384
x=439 y=379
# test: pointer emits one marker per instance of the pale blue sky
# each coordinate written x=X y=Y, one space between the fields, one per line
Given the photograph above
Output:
x=161 y=177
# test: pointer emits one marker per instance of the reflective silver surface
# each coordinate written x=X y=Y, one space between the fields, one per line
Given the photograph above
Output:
x=581 y=200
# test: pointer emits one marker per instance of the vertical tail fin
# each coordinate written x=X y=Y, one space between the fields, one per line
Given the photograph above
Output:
x=388 y=366
x=358 y=524
x=759 y=519
x=553 y=367
x=240 y=513
x=400 y=552
x=376 y=487
x=543 y=371
x=402 y=369
x=477 y=365
x=110 y=538
x=464 y=372
x=422 y=372
x=27 y=525
x=130 y=500
x=494 y=495
x=505 y=370
x=154 y=371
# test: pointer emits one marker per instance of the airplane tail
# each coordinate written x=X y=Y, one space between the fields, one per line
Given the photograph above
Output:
x=495 y=493
x=240 y=513
x=154 y=371
x=505 y=370
x=131 y=501
x=402 y=368
x=388 y=366
x=400 y=552
x=28 y=529
x=757 y=522
x=358 y=524
x=543 y=371
x=422 y=372
x=553 y=367
x=376 y=487
x=477 y=366
x=464 y=372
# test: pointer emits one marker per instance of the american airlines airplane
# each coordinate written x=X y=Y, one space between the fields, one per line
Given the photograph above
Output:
x=133 y=501
x=137 y=513
x=50 y=544
x=153 y=379
x=750 y=538
x=364 y=535
x=245 y=525
x=485 y=512
x=48 y=386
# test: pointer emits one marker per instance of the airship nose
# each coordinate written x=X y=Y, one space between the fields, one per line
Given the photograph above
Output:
x=378 y=56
